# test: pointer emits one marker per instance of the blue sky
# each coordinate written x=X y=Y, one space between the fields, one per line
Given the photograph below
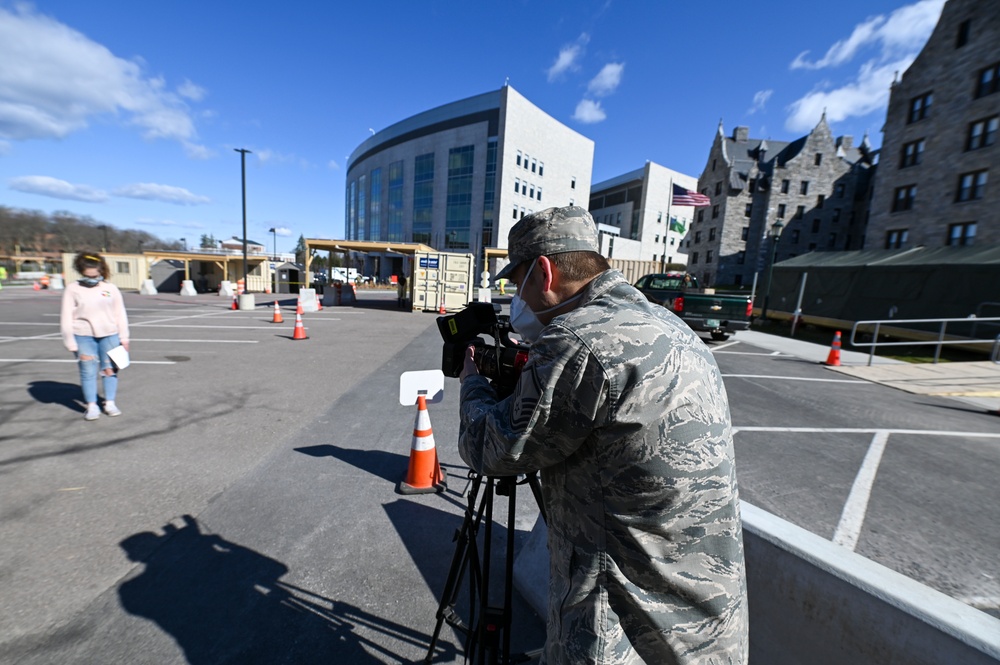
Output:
x=129 y=112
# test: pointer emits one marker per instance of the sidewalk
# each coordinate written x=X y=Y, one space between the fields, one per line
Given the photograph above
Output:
x=975 y=383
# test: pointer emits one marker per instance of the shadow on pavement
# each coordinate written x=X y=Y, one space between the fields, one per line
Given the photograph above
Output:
x=56 y=392
x=378 y=463
x=225 y=603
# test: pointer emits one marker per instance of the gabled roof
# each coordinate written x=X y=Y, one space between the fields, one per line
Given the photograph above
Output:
x=917 y=256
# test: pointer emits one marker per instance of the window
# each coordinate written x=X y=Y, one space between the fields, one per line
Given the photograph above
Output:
x=989 y=80
x=896 y=239
x=963 y=33
x=711 y=234
x=804 y=188
x=423 y=197
x=572 y=202
x=836 y=215
x=708 y=256
x=781 y=211
x=541 y=169
x=961 y=234
x=713 y=164
x=741 y=257
x=920 y=107
x=718 y=188
x=534 y=165
x=539 y=192
x=518 y=157
x=701 y=215
x=715 y=212
x=831 y=242
x=525 y=160
x=840 y=190
x=819 y=158
x=572 y=183
x=812 y=246
x=815 y=226
x=517 y=186
x=531 y=192
x=800 y=212
x=697 y=237
x=819 y=200
x=657 y=239
x=659 y=218
x=515 y=212
x=745 y=233
x=903 y=198
x=795 y=236
x=971 y=186
x=912 y=154
x=748 y=210
x=785 y=184
x=982 y=133
x=694 y=258
x=122 y=267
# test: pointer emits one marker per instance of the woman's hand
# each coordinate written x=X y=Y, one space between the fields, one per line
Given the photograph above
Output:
x=125 y=344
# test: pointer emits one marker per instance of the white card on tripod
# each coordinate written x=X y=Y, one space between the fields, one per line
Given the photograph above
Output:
x=427 y=382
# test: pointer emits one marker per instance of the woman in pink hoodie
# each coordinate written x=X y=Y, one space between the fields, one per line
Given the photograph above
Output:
x=93 y=321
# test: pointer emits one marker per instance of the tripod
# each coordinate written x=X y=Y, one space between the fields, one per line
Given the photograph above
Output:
x=488 y=629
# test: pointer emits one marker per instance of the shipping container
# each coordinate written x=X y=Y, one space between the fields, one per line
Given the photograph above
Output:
x=441 y=279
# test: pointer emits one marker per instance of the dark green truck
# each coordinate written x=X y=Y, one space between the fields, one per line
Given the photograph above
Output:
x=702 y=309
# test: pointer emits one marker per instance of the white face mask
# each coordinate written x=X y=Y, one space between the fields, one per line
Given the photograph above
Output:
x=524 y=321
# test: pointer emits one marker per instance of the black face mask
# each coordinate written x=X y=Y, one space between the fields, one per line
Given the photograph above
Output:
x=90 y=282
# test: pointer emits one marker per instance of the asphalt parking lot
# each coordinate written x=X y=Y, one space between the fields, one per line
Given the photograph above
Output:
x=243 y=508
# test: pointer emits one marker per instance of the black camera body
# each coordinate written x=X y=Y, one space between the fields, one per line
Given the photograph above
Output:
x=500 y=363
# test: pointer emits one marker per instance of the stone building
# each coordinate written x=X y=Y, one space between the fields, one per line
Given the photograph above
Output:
x=458 y=176
x=939 y=149
x=815 y=187
x=636 y=218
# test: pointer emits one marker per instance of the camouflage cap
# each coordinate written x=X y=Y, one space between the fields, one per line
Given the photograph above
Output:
x=550 y=231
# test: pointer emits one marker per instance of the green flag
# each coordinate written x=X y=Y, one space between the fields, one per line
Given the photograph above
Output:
x=676 y=225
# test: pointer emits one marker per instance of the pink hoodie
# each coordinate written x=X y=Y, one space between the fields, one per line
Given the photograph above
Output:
x=93 y=312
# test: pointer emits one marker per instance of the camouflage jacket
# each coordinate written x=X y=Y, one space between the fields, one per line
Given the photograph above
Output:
x=622 y=409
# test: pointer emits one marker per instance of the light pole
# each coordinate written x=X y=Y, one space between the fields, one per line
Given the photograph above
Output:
x=775 y=237
x=104 y=227
x=274 y=235
x=243 y=171
x=184 y=241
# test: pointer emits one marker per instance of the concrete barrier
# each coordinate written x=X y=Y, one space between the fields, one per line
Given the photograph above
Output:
x=815 y=602
x=187 y=288
x=307 y=298
x=148 y=288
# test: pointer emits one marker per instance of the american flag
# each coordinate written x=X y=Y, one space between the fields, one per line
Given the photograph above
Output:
x=685 y=197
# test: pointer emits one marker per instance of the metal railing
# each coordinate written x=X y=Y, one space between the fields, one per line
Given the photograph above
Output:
x=938 y=343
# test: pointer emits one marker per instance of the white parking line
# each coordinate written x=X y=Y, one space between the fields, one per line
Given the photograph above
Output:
x=715 y=349
x=198 y=341
x=856 y=507
x=867 y=430
x=789 y=378
x=74 y=361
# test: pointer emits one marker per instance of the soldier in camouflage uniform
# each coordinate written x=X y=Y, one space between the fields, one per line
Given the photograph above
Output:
x=622 y=409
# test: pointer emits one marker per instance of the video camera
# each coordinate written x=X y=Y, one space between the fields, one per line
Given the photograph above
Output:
x=501 y=363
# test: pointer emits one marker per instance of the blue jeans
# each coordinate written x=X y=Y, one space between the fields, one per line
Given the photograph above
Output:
x=96 y=349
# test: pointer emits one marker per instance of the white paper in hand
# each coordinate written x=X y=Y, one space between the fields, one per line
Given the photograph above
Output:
x=119 y=357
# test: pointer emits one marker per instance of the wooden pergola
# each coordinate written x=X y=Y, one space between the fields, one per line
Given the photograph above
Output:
x=222 y=261
x=367 y=246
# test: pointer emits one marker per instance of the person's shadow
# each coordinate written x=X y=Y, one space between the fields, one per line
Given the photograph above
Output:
x=56 y=392
x=224 y=603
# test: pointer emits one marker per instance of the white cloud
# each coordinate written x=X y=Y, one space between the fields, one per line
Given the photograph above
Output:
x=60 y=189
x=898 y=39
x=196 y=151
x=267 y=155
x=189 y=90
x=589 y=112
x=904 y=32
x=55 y=79
x=166 y=193
x=333 y=165
x=760 y=99
x=567 y=58
x=607 y=79
x=867 y=94
x=4 y=148
x=145 y=221
x=282 y=231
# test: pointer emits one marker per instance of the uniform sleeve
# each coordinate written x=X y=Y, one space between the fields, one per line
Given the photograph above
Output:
x=66 y=320
x=121 y=317
x=561 y=396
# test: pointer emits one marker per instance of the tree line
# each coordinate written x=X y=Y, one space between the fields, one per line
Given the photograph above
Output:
x=33 y=232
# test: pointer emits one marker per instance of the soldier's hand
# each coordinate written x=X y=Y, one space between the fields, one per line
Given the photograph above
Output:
x=469 y=368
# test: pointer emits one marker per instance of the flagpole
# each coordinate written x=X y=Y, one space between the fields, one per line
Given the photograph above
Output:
x=663 y=256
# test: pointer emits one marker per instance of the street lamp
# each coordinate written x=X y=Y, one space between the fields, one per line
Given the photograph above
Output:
x=104 y=227
x=274 y=235
x=243 y=171
x=775 y=237
x=184 y=241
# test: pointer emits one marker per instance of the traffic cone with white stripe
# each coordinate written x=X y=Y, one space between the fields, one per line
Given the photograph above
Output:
x=424 y=475
x=277 y=314
x=441 y=309
x=833 y=358
x=298 y=308
x=300 y=330
x=236 y=303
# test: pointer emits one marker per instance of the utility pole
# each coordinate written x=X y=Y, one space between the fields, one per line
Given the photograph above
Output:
x=243 y=170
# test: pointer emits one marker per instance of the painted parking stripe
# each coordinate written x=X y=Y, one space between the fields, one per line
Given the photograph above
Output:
x=856 y=507
x=866 y=430
x=74 y=361
x=790 y=378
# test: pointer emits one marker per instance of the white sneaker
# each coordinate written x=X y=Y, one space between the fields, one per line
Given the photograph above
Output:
x=111 y=409
x=93 y=413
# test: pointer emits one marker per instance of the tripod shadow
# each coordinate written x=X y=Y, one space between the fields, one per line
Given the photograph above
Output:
x=225 y=603
x=56 y=392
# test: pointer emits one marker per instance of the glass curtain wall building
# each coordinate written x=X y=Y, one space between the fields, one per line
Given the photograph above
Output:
x=458 y=176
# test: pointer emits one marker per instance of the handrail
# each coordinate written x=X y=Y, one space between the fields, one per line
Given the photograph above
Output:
x=995 y=354
x=941 y=341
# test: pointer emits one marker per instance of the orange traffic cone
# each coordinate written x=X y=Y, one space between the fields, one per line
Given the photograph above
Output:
x=277 y=314
x=424 y=475
x=319 y=304
x=36 y=286
x=833 y=359
x=441 y=308
x=300 y=330
x=298 y=309
x=236 y=303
